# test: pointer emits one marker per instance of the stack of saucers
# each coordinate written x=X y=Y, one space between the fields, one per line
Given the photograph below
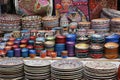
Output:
x=100 y=71
x=37 y=69
x=67 y=69
x=11 y=68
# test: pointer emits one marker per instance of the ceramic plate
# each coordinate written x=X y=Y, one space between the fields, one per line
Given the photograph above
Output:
x=37 y=63
x=67 y=77
x=37 y=71
x=100 y=71
x=95 y=65
x=10 y=62
x=66 y=73
x=37 y=78
x=42 y=74
x=66 y=65
x=98 y=74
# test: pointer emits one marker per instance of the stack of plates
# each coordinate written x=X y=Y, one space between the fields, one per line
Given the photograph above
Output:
x=67 y=69
x=37 y=69
x=100 y=71
x=11 y=68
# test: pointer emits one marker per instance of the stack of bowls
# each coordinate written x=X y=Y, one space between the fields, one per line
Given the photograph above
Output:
x=31 y=22
x=96 y=51
x=70 y=47
x=11 y=68
x=85 y=25
x=101 y=25
x=71 y=38
x=112 y=38
x=97 y=38
x=49 y=45
x=39 y=45
x=9 y=23
x=59 y=48
x=67 y=69
x=82 y=50
x=82 y=38
x=100 y=71
x=50 y=22
x=115 y=25
x=60 y=44
x=110 y=13
x=50 y=39
x=37 y=69
x=111 y=50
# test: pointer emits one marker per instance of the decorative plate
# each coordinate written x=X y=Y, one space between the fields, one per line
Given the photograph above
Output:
x=82 y=46
x=37 y=63
x=11 y=62
x=95 y=65
x=66 y=65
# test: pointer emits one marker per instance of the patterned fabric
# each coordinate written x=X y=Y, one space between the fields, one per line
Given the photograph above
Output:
x=97 y=5
x=32 y=7
x=87 y=9
x=77 y=10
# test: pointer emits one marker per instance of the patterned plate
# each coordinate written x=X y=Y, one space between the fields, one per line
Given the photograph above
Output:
x=37 y=78
x=66 y=73
x=7 y=62
x=66 y=65
x=67 y=77
x=98 y=74
x=95 y=65
x=37 y=63
x=29 y=74
x=37 y=71
x=102 y=78
x=36 y=68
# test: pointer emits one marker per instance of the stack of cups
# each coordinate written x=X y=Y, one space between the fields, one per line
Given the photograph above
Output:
x=60 y=44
